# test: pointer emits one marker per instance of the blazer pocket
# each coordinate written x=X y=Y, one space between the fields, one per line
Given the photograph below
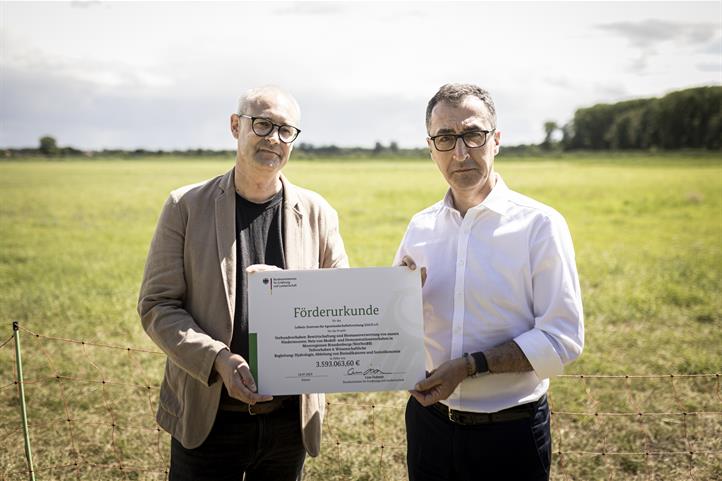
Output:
x=172 y=390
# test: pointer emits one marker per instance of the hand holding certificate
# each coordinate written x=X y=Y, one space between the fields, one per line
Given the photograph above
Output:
x=336 y=330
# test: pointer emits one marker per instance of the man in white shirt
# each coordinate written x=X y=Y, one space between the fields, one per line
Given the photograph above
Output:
x=502 y=307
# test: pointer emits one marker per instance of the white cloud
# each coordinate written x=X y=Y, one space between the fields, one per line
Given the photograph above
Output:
x=167 y=75
x=650 y=32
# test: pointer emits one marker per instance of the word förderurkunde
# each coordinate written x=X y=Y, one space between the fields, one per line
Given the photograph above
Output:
x=344 y=311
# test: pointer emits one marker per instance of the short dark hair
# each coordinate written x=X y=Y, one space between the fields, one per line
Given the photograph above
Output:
x=454 y=94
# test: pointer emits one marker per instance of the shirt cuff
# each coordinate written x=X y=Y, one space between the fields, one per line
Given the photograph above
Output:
x=540 y=353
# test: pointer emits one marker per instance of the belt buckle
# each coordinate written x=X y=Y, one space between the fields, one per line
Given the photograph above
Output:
x=454 y=417
x=250 y=410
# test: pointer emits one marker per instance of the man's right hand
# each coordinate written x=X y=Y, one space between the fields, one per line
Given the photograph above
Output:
x=237 y=378
x=441 y=382
x=409 y=262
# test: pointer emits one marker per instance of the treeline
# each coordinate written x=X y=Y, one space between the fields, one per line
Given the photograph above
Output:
x=686 y=119
x=305 y=150
x=48 y=148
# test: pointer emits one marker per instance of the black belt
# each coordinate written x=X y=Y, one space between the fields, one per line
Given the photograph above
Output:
x=469 y=418
x=267 y=407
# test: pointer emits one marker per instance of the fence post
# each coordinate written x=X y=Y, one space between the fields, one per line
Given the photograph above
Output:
x=23 y=409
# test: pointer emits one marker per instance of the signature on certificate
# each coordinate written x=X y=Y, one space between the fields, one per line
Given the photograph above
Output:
x=368 y=372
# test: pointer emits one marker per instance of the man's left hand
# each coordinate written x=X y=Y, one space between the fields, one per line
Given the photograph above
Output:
x=409 y=262
x=440 y=383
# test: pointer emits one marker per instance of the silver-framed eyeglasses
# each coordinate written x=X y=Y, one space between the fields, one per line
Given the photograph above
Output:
x=472 y=140
x=262 y=127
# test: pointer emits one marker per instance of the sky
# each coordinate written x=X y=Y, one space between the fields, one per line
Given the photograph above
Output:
x=167 y=75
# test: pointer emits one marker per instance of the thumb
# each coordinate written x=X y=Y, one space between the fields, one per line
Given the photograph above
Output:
x=408 y=261
x=246 y=377
x=261 y=268
x=426 y=384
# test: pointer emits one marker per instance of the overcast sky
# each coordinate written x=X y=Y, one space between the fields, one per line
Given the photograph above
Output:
x=167 y=75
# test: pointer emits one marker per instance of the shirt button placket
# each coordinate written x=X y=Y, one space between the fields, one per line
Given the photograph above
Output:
x=459 y=307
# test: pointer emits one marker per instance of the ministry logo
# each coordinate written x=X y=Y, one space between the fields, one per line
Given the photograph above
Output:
x=279 y=282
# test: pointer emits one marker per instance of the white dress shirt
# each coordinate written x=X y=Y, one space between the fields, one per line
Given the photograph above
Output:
x=504 y=271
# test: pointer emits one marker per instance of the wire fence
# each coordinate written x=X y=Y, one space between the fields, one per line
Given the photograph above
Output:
x=91 y=415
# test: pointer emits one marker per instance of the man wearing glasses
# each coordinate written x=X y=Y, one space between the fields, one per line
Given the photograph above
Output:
x=502 y=307
x=193 y=302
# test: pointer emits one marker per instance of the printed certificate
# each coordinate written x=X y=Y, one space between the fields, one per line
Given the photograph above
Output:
x=335 y=330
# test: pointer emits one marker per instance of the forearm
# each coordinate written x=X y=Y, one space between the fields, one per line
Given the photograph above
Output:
x=507 y=357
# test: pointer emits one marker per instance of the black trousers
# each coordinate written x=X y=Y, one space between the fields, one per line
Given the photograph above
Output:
x=439 y=449
x=244 y=447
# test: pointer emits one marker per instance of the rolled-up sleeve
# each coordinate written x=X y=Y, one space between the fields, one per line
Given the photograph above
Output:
x=557 y=337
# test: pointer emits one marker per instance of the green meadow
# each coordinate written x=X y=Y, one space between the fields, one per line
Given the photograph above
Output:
x=648 y=237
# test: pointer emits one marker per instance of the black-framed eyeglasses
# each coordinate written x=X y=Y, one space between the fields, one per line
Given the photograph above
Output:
x=262 y=127
x=472 y=140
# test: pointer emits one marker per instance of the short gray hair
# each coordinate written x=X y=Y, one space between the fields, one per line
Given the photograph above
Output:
x=454 y=94
x=252 y=94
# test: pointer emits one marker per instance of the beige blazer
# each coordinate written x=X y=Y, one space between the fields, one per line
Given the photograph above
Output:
x=187 y=297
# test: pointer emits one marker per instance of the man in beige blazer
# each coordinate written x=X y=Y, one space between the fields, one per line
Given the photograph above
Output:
x=193 y=302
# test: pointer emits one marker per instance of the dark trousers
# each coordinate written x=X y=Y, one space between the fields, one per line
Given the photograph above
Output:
x=261 y=447
x=439 y=449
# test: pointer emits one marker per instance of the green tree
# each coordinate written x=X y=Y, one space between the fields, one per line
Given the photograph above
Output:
x=48 y=146
x=625 y=132
x=690 y=118
x=568 y=136
x=549 y=128
x=378 y=148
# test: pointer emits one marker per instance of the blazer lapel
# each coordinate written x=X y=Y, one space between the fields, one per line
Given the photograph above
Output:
x=292 y=226
x=226 y=238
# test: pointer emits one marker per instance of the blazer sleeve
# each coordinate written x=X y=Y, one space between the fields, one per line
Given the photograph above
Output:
x=161 y=300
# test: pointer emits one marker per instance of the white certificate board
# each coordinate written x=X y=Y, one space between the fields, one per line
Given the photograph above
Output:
x=335 y=330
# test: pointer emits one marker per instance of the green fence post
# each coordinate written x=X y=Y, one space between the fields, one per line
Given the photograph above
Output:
x=23 y=409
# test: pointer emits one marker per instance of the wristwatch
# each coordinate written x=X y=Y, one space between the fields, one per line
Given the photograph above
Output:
x=481 y=365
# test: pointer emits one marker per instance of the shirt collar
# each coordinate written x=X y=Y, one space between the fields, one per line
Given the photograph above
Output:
x=496 y=201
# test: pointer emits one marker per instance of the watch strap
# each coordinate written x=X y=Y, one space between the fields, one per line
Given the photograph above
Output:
x=482 y=367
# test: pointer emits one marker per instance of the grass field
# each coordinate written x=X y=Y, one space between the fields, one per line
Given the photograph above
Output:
x=648 y=238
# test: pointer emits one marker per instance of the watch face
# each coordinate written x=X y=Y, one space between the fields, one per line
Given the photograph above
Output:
x=470 y=371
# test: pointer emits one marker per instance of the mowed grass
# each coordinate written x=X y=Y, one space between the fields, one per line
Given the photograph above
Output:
x=648 y=238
